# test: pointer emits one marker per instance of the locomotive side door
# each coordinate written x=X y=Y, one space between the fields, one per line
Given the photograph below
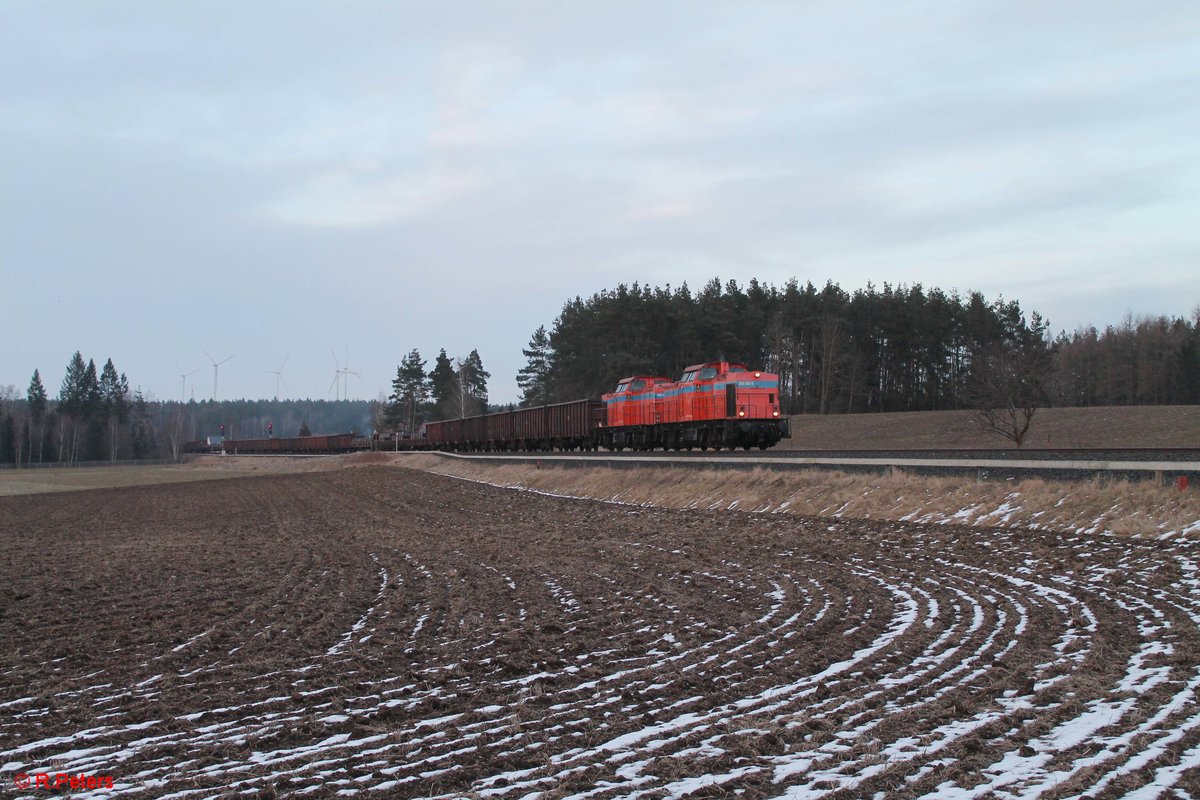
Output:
x=731 y=400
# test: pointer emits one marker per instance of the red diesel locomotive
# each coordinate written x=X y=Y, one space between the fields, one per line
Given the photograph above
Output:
x=717 y=404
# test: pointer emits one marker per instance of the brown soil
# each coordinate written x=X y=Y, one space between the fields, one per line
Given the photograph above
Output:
x=197 y=468
x=337 y=633
x=1108 y=426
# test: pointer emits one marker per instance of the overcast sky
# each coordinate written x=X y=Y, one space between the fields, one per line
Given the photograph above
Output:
x=272 y=179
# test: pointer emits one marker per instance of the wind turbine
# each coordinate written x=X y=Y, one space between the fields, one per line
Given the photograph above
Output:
x=215 y=364
x=341 y=373
x=337 y=375
x=278 y=373
x=346 y=373
x=183 y=386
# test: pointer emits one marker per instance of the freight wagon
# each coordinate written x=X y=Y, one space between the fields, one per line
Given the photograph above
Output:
x=331 y=443
x=562 y=426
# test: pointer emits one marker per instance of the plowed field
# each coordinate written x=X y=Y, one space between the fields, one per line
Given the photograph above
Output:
x=380 y=632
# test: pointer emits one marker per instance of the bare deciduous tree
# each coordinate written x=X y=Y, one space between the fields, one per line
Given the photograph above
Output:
x=175 y=433
x=829 y=350
x=1008 y=384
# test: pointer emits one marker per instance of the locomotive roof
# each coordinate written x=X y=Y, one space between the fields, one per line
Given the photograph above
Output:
x=716 y=364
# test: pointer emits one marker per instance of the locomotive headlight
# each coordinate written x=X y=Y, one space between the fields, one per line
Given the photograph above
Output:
x=741 y=413
x=776 y=413
x=758 y=374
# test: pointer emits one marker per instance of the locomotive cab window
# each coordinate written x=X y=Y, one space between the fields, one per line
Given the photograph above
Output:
x=688 y=377
x=637 y=385
x=708 y=373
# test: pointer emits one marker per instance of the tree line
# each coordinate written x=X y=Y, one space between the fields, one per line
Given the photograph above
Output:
x=1145 y=361
x=96 y=417
x=889 y=348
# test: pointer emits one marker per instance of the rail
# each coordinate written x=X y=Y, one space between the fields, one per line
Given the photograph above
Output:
x=982 y=467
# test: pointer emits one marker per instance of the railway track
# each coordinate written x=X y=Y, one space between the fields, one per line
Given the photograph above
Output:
x=1031 y=454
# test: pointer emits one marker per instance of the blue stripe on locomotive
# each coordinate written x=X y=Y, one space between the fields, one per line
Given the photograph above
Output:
x=691 y=389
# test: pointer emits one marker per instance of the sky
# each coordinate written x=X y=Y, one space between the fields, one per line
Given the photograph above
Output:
x=277 y=182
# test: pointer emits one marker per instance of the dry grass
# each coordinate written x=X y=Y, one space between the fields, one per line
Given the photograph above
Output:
x=41 y=481
x=1105 y=426
x=200 y=468
x=1128 y=508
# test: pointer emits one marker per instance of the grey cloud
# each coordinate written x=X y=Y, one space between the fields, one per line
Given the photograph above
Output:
x=268 y=178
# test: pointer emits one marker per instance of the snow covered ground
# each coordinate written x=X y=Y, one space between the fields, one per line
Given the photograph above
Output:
x=446 y=639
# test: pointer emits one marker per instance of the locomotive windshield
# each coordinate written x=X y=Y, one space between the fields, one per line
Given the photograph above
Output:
x=708 y=373
x=688 y=377
x=636 y=385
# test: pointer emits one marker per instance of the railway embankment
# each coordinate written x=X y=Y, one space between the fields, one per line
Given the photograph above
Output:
x=1092 y=428
x=1099 y=505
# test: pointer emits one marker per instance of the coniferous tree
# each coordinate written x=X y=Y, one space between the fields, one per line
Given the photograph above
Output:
x=444 y=386
x=113 y=404
x=80 y=406
x=395 y=412
x=533 y=377
x=93 y=410
x=474 y=380
x=91 y=389
x=24 y=437
x=11 y=443
x=72 y=400
x=8 y=439
x=36 y=400
x=141 y=428
x=410 y=390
